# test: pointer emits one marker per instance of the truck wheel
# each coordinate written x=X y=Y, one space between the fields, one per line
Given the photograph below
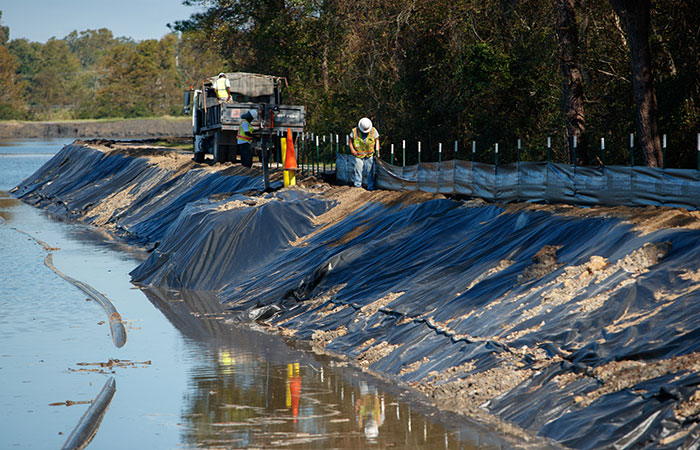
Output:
x=218 y=149
x=198 y=157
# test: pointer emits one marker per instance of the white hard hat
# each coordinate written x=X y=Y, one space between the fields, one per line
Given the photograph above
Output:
x=253 y=113
x=371 y=428
x=365 y=125
x=222 y=74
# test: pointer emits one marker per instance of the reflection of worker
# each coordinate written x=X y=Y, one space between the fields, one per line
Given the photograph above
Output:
x=223 y=88
x=369 y=411
x=227 y=361
x=364 y=143
x=245 y=137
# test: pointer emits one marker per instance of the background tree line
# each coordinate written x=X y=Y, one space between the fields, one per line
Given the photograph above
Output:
x=92 y=74
x=490 y=71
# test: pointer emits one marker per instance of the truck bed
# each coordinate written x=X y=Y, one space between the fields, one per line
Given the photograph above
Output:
x=227 y=116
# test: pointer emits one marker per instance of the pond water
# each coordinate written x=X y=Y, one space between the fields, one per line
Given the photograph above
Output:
x=184 y=379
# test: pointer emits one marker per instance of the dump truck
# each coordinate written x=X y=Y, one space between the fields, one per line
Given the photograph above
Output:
x=215 y=123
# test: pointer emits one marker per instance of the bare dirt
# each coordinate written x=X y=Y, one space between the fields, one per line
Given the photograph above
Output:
x=373 y=352
x=618 y=375
x=544 y=262
x=321 y=338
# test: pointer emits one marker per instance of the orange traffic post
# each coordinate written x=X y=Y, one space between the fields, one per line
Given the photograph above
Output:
x=290 y=161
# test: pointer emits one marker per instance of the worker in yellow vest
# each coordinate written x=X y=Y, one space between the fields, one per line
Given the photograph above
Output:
x=245 y=137
x=223 y=88
x=364 y=146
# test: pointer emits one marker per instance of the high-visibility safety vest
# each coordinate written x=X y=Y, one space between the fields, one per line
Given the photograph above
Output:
x=221 y=91
x=363 y=147
x=243 y=135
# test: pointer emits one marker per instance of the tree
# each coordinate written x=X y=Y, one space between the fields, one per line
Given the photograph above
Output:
x=196 y=59
x=90 y=45
x=11 y=86
x=572 y=86
x=4 y=32
x=139 y=80
x=635 y=16
x=57 y=83
x=28 y=56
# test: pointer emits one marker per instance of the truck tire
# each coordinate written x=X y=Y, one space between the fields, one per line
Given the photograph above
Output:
x=198 y=157
x=217 y=149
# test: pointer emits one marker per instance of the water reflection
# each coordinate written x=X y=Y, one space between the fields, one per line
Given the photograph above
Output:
x=249 y=389
x=369 y=411
x=210 y=385
x=247 y=402
x=6 y=204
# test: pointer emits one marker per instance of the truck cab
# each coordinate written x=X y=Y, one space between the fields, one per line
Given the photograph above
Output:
x=215 y=123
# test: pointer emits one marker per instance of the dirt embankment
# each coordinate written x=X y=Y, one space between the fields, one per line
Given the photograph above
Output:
x=108 y=129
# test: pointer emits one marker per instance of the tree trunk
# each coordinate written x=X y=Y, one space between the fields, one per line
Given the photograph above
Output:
x=635 y=16
x=572 y=90
x=324 y=67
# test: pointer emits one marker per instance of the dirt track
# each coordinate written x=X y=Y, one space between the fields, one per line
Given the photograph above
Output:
x=112 y=129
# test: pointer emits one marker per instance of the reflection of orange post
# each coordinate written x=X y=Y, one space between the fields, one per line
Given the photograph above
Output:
x=290 y=161
x=295 y=387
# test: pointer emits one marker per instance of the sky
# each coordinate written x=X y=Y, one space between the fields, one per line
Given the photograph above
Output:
x=40 y=20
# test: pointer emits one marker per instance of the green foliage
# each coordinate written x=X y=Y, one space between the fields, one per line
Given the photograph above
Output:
x=439 y=71
x=27 y=53
x=434 y=71
x=11 y=86
x=90 y=45
x=141 y=80
x=197 y=59
x=4 y=32
x=57 y=84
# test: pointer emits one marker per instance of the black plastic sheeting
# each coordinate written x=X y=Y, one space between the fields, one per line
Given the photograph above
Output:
x=453 y=277
x=197 y=252
x=541 y=182
x=78 y=177
x=437 y=256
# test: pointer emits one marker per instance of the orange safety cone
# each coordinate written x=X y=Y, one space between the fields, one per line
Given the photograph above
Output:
x=290 y=161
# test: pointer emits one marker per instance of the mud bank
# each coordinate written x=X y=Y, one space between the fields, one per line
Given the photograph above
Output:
x=112 y=129
x=579 y=325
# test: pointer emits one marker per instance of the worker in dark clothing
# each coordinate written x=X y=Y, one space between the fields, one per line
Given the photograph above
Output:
x=245 y=137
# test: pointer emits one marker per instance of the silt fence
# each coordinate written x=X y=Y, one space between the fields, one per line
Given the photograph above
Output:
x=543 y=182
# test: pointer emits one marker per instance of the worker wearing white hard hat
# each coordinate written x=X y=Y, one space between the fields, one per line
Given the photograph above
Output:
x=364 y=146
x=223 y=88
x=245 y=137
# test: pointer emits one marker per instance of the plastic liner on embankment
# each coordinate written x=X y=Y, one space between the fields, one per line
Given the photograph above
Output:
x=133 y=191
x=582 y=330
x=575 y=325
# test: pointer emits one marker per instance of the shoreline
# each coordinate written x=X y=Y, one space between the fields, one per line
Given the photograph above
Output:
x=103 y=128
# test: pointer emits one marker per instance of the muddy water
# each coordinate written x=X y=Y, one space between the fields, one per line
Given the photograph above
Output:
x=186 y=378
